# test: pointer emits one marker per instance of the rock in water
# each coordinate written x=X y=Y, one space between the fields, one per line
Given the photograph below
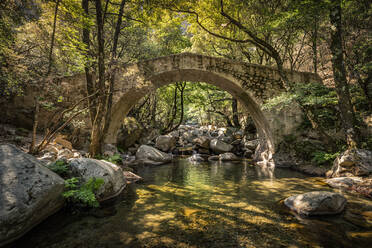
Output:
x=354 y=162
x=316 y=203
x=220 y=146
x=343 y=182
x=165 y=143
x=151 y=154
x=228 y=156
x=112 y=175
x=196 y=158
x=29 y=193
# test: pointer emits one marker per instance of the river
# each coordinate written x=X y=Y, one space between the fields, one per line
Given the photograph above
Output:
x=205 y=205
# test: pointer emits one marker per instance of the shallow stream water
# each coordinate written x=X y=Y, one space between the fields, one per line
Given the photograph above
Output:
x=206 y=205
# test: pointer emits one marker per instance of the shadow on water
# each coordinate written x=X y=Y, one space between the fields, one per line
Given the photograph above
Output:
x=205 y=205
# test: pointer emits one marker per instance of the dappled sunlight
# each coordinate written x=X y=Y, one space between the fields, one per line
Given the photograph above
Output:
x=212 y=205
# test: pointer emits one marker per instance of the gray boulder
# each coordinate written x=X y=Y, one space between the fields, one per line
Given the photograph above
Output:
x=151 y=154
x=165 y=143
x=354 y=162
x=228 y=156
x=29 y=193
x=220 y=146
x=343 y=182
x=114 y=180
x=316 y=203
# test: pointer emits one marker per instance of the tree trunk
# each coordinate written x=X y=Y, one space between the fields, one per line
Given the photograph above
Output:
x=88 y=75
x=97 y=131
x=32 y=149
x=235 y=115
x=339 y=74
x=315 y=46
x=108 y=105
x=53 y=37
x=174 y=111
x=182 y=90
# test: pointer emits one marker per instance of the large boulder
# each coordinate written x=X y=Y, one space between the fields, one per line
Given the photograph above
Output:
x=220 y=146
x=114 y=180
x=354 y=162
x=316 y=203
x=343 y=182
x=151 y=154
x=165 y=143
x=29 y=193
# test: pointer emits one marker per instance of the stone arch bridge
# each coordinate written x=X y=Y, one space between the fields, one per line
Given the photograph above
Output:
x=251 y=84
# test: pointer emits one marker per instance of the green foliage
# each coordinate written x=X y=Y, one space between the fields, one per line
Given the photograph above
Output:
x=323 y=158
x=60 y=167
x=320 y=99
x=116 y=158
x=82 y=195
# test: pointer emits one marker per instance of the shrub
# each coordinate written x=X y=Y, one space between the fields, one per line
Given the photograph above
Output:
x=116 y=158
x=323 y=158
x=81 y=195
x=60 y=167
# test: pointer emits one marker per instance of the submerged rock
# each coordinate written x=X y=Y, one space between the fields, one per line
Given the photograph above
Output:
x=214 y=158
x=196 y=158
x=112 y=175
x=220 y=146
x=228 y=156
x=151 y=154
x=316 y=203
x=29 y=193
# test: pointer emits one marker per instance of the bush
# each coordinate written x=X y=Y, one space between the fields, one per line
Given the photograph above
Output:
x=60 y=167
x=81 y=195
x=116 y=158
x=323 y=158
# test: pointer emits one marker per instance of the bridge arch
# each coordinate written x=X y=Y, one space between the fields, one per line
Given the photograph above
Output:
x=251 y=84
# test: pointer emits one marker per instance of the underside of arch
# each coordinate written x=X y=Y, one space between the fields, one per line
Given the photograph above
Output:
x=129 y=98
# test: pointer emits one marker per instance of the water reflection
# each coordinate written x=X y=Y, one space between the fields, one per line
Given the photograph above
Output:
x=204 y=205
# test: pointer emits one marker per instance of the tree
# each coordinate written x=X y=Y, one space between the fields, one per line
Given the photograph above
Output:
x=339 y=74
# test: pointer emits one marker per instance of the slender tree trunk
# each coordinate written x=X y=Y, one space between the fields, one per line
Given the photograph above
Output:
x=34 y=128
x=153 y=110
x=235 y=115
x=53 y=37
x=88 y=75
x=315 y=46
x=339 y=74
x=182 y=90
x=174 y=111
x=97 y=131
x=113 y=68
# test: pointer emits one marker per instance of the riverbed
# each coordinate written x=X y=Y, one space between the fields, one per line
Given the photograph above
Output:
x=206 y=205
